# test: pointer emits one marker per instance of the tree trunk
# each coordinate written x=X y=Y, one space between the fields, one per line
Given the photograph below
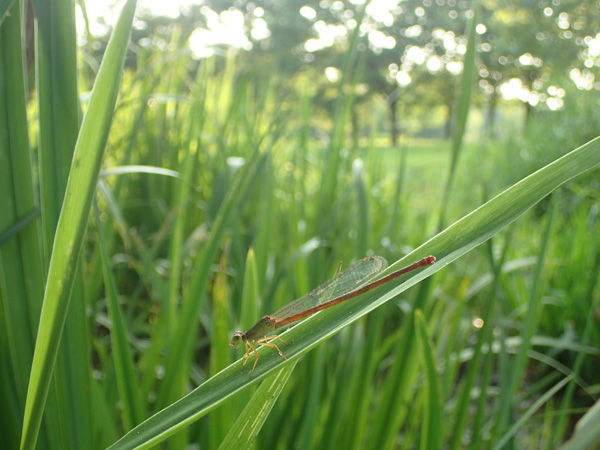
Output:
x=393 y=118
x=491 y=115
x=528 y=113
x=355 y=128
x=448 y=125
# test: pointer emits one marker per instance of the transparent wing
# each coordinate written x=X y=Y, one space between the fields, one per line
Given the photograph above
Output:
x=355 y=276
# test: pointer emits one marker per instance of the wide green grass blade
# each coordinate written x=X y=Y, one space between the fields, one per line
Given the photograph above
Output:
x=247 y=426
x=19 y=236
x=68 y=410
x=447 y=246
x=72 y=222
x=58 y=104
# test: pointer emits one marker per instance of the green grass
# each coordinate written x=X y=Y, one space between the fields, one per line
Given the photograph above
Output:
x=255 y=212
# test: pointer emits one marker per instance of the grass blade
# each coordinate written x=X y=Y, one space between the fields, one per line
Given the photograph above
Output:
x=245 y=429
x=462 y=111
x=432 y=431
x=72 y=222
x=126 y=378
x=587 y=431
x=530 y=411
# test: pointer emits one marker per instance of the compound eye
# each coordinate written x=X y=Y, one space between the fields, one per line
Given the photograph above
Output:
x=236 y=337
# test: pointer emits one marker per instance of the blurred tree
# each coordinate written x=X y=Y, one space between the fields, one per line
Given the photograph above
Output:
x=538 y=43
x=410 y=51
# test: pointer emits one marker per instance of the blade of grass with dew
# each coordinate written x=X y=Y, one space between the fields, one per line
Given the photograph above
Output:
x=247 y=426
x=432 y=429
x=452 y=243
x=72 y=222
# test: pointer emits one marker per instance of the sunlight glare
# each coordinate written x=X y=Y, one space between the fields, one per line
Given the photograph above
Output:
x=403 y=78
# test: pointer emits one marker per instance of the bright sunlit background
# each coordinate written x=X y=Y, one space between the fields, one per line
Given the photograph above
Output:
x=240 y=31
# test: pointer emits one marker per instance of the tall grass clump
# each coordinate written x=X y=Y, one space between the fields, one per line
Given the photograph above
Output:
x=211 y=202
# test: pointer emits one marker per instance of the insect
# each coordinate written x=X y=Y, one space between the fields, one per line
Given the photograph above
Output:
x=348 y=284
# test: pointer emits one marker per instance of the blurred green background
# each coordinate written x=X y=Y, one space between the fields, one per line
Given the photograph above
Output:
x=251 y=148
